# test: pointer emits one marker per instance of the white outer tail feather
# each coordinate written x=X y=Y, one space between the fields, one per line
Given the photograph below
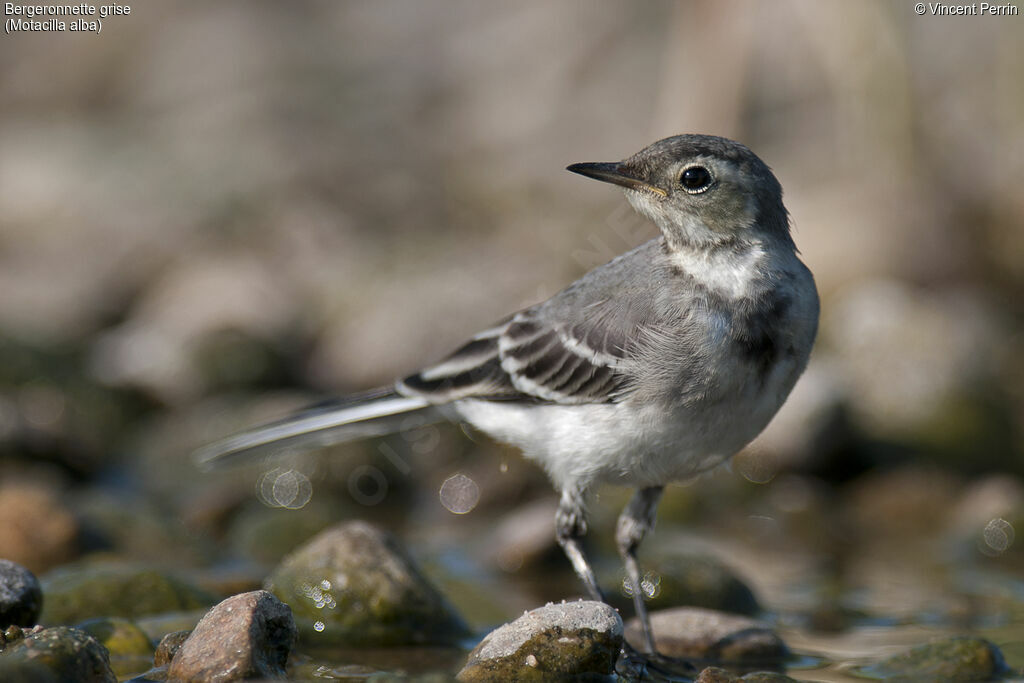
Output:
x=314 y=429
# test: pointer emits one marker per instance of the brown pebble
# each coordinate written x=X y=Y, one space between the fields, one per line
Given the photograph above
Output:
x=169 y=646
x=693 y=632
x=41 y=532
x=246 y=636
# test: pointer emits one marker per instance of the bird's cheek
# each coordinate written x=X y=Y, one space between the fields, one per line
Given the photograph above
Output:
x=645 y=204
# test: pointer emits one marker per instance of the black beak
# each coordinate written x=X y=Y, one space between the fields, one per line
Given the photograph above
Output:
x=615 y=174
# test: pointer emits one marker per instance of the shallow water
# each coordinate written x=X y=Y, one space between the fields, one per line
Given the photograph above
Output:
x=836 y=612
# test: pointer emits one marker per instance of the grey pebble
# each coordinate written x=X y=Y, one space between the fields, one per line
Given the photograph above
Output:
x=21 y=598
x=698 y=633
x=575 y=639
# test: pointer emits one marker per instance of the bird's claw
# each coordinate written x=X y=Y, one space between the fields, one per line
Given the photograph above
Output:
x=634 y=665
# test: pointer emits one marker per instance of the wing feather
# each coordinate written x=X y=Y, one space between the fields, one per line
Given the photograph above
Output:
x=578 y=347
x=531 y=360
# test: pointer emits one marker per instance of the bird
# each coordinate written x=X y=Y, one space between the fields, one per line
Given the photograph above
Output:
x=650 y=369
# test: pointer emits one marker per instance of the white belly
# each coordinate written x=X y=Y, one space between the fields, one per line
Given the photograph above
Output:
x=624 y=443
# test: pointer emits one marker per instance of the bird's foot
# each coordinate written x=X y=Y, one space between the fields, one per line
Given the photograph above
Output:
x=634 y=665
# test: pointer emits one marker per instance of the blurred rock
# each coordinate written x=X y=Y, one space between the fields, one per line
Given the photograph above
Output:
x=159 y=625
x=953 y=659
x=689 y=581
x=21 y=597
x=134 y=528
x=922 y=367
x=58 y=654
x=235 y=360
x=78 y=593
x=38 y=531
x=568 y=641
x=129 y=647
x=987 y=514
x=169 y=646
x=268 y=534
x=169 y=347
x=231 y=577
x=693 y=632
x=523 y=536
x=973 y=432
x=354 y=585
x=715 y=675
x=810 y=430
x=52 y=416
x=246 y=636
x=897 y=503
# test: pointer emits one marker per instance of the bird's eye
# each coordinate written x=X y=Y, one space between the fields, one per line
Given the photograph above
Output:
x=695 y=179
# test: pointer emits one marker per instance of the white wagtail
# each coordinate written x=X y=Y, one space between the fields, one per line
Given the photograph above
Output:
x=650 y=369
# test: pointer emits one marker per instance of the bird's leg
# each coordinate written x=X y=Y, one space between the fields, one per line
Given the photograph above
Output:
x=635 y=521
x=570 y=527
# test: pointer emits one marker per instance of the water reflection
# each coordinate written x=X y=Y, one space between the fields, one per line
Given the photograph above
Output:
x=284 y=488
x=459 y=494
x=997 y=537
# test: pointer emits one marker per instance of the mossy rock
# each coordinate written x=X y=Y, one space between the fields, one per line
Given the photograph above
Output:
x=75 y=594
x=569 y=641
x=354 y=586
x=131 y=650
x=716 y=675
x=60 y=654
x=952 y=659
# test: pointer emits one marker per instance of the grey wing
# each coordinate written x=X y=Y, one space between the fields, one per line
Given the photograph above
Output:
x=538 y=356
x=579 y=346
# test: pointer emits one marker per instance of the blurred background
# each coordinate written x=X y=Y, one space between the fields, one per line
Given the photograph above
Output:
x=213 y=213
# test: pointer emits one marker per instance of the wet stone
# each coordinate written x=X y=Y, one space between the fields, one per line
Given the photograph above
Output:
x=713 y=674
x=952 y=659
x=11 y=634
x=691 y=581
x=60 y=654
x=74 y=594
x=353 y=585
x=21 y=598
x=131 y=650
x=169 y=646
x=155 y=675
x=246 y=636
x=568 y=641
x=698 y=633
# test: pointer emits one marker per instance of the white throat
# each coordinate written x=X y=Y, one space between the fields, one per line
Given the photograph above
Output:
x=728 y=272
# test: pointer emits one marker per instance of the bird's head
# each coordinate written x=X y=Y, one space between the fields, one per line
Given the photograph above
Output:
x=700 y=190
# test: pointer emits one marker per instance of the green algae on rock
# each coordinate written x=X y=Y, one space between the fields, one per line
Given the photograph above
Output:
x=79 y=592
x=567 y=641
x=353 y=585
x=60 y=654
x=131 y=650
x=714 y=674
x=952 y=659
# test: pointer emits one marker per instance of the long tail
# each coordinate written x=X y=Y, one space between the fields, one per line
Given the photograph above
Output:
x=374 y=413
